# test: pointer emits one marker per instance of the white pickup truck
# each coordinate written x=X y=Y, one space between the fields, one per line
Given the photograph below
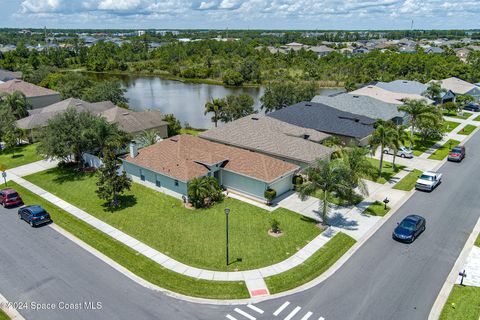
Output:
x=428 y=181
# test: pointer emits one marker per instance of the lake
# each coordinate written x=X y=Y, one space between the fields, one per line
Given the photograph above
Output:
x=185 y=100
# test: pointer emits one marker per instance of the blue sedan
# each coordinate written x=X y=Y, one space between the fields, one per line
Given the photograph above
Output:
x=34 y=215
x=410 y=228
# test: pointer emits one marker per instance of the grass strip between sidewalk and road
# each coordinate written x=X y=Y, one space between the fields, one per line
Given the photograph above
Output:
x=467 y=129
x=458 y=115
x=407 y=183
x=132 y=260
x=448 y=126
x=462 y=304
x=3 y=315
x=377 y=209
x=313 y=267
x=444 y=150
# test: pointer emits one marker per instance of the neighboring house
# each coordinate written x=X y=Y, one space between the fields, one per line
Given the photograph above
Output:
x=388 y=96
x=272 y=137
x=6 y=75
x=434 y=50
x=321 y=50
x=407 y=49
x=345 y=125
x=361 y=49
x=365 y=106
x=462 y=53
x=403 y=86
x=38 y=97
x=135 y=122
x=169 y=165
x=460 y=87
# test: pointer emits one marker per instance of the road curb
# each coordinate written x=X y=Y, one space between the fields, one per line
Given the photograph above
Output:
x=11 y=312
x=447 y=287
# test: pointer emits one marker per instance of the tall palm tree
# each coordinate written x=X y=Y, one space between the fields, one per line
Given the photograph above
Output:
x=18 y=104
x=328 y=176
x=198 y=190
x=398 y=139
x=418 y=109
x=359 y=167
x=434 y=91
x=215 y=106
x=381 y=137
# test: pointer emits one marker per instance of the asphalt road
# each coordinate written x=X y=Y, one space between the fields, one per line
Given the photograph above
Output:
x=383 y=280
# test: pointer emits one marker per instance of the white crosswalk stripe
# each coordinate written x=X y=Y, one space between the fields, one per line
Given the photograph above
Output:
x=256 y=309
x=282 y=307
x=293 y=313
x=230 y=317
x=243 y=313
x=321 y=318
x=307 y=315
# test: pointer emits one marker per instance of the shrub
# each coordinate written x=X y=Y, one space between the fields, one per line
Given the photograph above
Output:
x=275 y=226
x=297 y=180
x=232 y=78
x=204 y=192
x=270 y=194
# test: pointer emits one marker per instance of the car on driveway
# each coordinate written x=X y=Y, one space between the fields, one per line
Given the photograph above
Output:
x=472 y=107
x=9 y=198
x=410 y=228
x=457 y=154
x=35 y=215
x=403 y=152
x=428 y=181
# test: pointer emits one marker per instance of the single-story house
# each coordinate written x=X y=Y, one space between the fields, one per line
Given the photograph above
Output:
x=361 y=49
x=403 y=86
x=321 y=50
x=37 y=96
x=388 y=96
x=135 y=122
x=318 y=116
x=460 y=87
x=6 y=75
x=365 y=106
x=169 y=165
x=272 y=137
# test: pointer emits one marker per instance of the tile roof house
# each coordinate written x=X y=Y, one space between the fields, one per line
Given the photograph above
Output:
x=272 y=137
x=365 y=106
x=170 y=164
x=323 y=118
x=37 y=96
x=387 y=96
x=460 y=87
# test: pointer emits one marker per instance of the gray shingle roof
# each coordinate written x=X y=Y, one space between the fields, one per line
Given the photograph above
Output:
x=325 y=119
x=6 y=75
x=403 y=86
x=362 y=105
x=272 y=137
x=134 y=121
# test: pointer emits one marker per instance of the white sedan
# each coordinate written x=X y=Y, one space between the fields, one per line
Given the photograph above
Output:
x=402 y=152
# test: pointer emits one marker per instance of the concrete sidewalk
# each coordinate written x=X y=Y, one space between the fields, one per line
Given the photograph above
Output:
x=32 y=168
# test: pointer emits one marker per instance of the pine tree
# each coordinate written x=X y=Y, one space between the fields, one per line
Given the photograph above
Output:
x=110 y=184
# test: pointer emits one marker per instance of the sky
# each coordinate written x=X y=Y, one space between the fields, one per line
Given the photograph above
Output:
x=241 y=14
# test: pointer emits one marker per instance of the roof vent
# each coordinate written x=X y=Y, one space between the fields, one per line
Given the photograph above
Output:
x=17 y=80
x=357 y=120
x=404 y=81
x=254 y=118
x=356 y=97
x=125 y=114
x=308 y=104
x=174 y=139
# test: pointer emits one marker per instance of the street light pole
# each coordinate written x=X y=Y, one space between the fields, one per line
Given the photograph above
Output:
x=227 y=211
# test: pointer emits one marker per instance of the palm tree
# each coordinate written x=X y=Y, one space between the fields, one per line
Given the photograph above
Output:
x=198 y=189
x=381 y=137
x=215 y=106
x=18 y=104
x=434 y=91
x=149 y=137
x=108 y=135
x=398 y=139
x=329 y=177
x=417 y=109
x=359 y=167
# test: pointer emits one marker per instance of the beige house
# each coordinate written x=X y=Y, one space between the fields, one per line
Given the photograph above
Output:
x=37 y=96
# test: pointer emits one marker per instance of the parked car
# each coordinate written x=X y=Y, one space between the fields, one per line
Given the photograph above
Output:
x=428 y=181
x=457 y=154
x=9 y=198
x=35 y=215
x=403 y=152
x=472 y=106
x=410 y=228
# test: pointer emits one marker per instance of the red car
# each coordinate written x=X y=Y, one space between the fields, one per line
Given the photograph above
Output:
x=9 y=198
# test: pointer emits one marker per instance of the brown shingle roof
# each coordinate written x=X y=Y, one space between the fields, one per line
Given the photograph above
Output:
x=131 y=121
x=28 y=89
x=185 y=157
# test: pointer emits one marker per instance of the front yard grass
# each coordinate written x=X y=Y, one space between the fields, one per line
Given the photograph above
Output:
x=420 y=145
x=463 y=115
x=3 y=315
x=477 y=242
x=377 y=209
x=194 y=237
x=313 y=267
x=443 y=151
x=23 y=154
x=408 y=182
x=388 y=171
x=448 y=126
x=477 y=118
x=467 y=129
x=462 y=304
x=130 y=259
x=337 y=201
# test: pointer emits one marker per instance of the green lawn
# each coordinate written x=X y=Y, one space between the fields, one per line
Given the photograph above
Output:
x=337 y=201
x=130 y=259
x=467 y=129
x=477 y=242
x=462 y=304
x=448 y=126
x=377 y=209
x=420 y=145
x=313 y=267
x=3 y=315
x=477 y=118
x=408 y=182
x=23 y=154
x=464 y=116
x=443 y=151
x=194 y=237
x=387 y=170
x=190 y=131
